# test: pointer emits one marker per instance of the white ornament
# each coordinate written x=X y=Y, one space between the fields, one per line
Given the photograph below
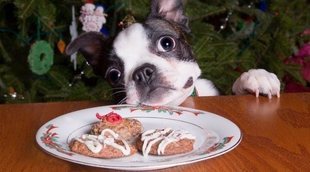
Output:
x=92 y=18
x=74 y=34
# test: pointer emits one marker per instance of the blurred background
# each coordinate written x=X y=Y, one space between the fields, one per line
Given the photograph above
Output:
x=228 y=38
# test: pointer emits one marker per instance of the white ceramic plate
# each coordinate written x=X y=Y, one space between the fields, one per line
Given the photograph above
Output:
x=215 y=135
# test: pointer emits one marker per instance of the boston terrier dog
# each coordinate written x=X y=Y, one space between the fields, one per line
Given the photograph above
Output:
x=152 y=63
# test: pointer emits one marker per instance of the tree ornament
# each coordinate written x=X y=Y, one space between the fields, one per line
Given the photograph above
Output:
x=12 y=92
x=61 y=45
x=40 y=57
x=306 y=32
x=13 y=95
x=302 y=59
x=245 y=26
x=263 y=5
x=74 y=34
x=92 y=17
x=105 y=31
x=127 y=21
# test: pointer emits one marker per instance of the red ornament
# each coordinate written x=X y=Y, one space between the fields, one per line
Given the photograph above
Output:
x=61 y=45
x=301 y=58
x=89 y=1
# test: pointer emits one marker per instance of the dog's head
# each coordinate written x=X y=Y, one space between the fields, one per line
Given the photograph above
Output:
x=151 y=61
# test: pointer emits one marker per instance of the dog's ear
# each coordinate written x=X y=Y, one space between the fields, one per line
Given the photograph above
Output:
x=171 y=10
x=94 y=47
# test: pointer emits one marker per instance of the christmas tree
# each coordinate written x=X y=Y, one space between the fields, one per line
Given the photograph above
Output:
x=228 y=37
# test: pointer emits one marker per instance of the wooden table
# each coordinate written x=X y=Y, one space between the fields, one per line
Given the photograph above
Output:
x=276 y=134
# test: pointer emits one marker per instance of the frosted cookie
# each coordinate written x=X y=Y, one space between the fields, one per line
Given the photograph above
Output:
x=165 y=142
x=106 y=145
x=127 y=128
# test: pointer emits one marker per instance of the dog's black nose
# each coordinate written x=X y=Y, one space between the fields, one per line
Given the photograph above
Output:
x=145 y=74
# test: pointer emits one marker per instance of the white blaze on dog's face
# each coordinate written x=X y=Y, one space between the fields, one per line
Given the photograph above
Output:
x=158 y=64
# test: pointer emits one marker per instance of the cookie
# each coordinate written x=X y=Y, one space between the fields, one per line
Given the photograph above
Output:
x=127 y=128
x=165 y=142
x=106 y=145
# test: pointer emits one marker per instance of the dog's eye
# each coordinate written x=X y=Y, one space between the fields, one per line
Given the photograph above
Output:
x=113 y=76
x=165 y=44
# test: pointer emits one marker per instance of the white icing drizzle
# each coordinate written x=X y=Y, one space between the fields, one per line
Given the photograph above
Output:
x=107 y=137
x=165 y=136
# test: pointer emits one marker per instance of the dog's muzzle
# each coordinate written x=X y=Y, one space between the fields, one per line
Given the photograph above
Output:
x=149 y=84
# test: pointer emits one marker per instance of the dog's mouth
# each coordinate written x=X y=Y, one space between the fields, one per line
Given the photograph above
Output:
x=156 y=92
x=158 y=96
x=152 y=96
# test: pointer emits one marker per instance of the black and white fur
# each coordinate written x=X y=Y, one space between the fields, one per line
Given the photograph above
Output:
x=153 y=63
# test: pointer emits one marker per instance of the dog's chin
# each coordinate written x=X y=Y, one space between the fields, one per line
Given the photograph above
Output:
x=160 y=96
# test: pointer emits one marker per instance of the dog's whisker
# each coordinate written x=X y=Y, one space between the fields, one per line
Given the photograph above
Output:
x=119 y=92
x=122 y=101
x=115 y=88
